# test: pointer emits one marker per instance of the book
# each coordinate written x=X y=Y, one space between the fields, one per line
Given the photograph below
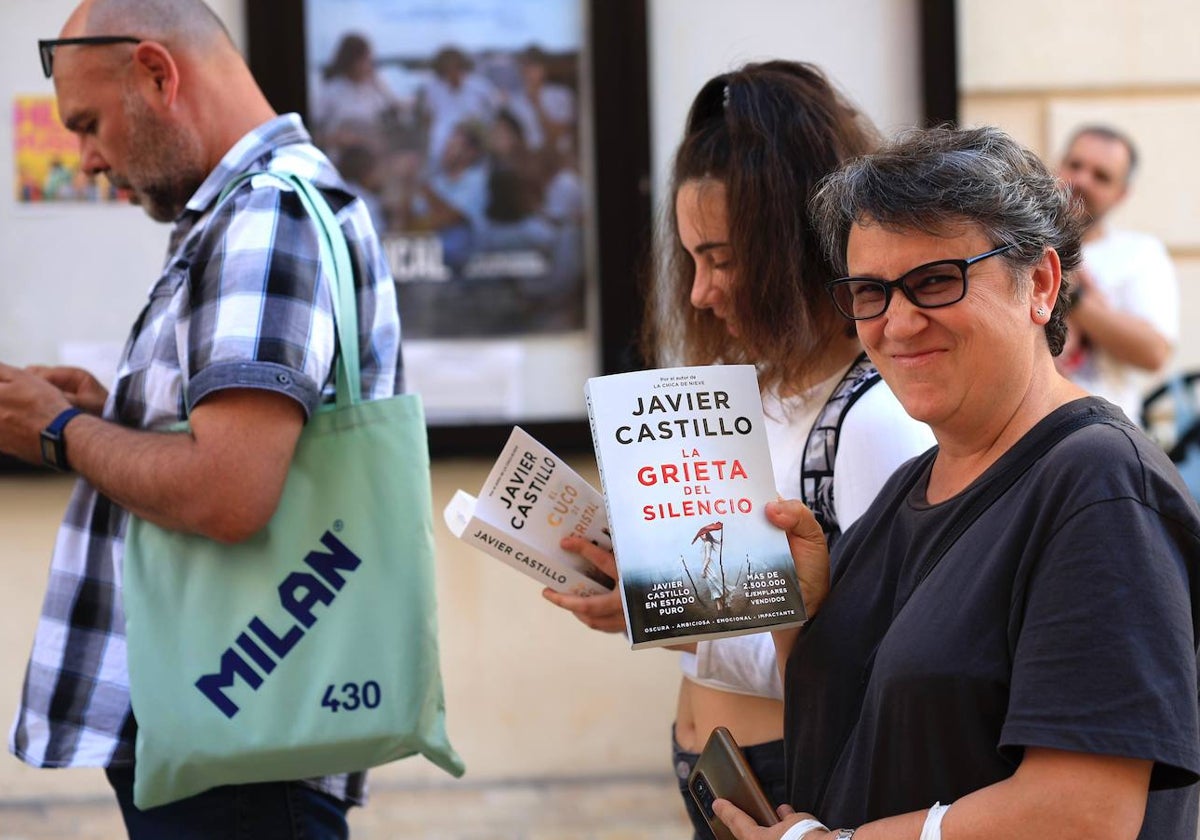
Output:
x=529 y=502
x=686 y=472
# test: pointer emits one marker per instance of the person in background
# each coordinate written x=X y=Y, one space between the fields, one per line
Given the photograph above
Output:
x=1124 y=319
x=454 y=95
x=236 y=337
x=363 y=172
x=1007 y=646
x=545 y=109
x=514 y=180
x=352 y=101
x=453 y=201
x=745 y=283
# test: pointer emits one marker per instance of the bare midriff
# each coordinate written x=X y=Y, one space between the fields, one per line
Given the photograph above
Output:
x=751 y=720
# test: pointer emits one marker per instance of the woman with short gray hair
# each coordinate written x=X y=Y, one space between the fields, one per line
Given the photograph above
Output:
x=938 y=179
x=1008 y=647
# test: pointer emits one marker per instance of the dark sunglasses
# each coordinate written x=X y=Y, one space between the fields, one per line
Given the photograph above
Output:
x=46 y=46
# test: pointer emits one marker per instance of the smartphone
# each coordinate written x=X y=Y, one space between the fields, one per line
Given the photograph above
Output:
x=721 y=772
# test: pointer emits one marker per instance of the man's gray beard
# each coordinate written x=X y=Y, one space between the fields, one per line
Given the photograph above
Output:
x=163 y=202
x=167 y=168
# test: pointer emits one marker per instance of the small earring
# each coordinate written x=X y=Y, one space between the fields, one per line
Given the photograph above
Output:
x=1041 y=313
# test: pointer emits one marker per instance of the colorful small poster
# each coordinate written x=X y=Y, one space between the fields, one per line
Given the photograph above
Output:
x=47 y=157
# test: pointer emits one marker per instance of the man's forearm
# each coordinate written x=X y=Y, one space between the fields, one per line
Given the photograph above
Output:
x=1127 y=338
x=153 y=475
x=222 y=480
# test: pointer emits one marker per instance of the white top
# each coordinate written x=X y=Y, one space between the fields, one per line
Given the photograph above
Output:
x=558 y=104
x=877 y=437
x=474 y=99
x=563 y=202
x=341 y=101
x=1135 y=273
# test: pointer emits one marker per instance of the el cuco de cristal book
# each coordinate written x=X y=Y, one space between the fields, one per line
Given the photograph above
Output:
x=530 y=501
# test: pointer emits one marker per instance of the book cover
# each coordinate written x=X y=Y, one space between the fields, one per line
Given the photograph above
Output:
x=530 y=501
x=686 y=472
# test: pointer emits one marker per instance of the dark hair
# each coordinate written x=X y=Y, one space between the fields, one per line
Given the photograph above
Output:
x=506 y=117
x=513 y=188
x=533 y=54
x=447 y=56
x=1108 y=133
x=356 y=162
x=937 y=180
x=769 y=133
x=351 y=49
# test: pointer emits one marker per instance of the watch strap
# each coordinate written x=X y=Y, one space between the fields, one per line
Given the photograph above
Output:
x=54 y=447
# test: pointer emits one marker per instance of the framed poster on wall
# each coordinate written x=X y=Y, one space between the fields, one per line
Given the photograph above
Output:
x=503 y=149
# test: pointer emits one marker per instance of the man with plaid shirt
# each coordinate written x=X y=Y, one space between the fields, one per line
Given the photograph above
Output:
x=237 y=337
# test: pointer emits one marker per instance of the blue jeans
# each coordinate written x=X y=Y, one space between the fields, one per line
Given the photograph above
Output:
x=766 y=760
x=264 y=811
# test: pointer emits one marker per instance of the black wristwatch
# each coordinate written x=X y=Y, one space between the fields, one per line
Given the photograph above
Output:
x=54 y=448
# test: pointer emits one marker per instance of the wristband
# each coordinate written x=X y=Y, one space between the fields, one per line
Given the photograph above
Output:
x=932 y=829
x=801 y=828
x=54 y=447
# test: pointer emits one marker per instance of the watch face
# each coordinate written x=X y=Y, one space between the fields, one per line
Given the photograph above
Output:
x=54 y=448
x=49 y=455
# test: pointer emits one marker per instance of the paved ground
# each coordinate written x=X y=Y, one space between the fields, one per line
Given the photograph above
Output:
x=606 y=809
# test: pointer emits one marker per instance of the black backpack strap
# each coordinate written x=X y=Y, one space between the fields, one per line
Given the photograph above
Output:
x=820 y=449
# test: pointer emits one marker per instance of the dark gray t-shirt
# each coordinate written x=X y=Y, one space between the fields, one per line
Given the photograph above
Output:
x=1064 y=617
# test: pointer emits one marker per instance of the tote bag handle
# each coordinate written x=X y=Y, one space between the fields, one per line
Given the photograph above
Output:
x=336 y=254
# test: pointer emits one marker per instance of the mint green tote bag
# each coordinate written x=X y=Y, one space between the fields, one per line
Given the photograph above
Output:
x=311 y=648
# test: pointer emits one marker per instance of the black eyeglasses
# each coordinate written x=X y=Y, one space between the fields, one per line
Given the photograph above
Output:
x=928 y=286
x=46 y=46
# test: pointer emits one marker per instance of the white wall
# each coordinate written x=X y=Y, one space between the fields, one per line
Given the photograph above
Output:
x=1131 y=65
x=869 y=48
x=67 y=273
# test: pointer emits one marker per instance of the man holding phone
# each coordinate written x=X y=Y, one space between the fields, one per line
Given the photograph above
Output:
x=236 y=337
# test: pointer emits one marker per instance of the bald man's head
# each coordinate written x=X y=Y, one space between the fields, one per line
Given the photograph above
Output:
x=157 y=97
x=146 y=101
x=183 y=26
x=178 y=22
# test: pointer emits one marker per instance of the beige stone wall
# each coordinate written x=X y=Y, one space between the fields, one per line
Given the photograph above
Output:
x=530 y=692
x=1039 y=69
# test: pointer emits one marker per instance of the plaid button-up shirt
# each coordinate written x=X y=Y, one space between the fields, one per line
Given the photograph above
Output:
x=243 y=302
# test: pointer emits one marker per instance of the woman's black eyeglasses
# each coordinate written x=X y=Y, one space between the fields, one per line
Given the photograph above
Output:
x=46 y=46
x=928 y=286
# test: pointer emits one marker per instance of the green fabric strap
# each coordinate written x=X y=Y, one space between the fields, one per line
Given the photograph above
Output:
x=336 y=254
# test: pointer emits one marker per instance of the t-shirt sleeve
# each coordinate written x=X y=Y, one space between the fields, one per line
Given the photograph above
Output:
x=1104 y=657
x=1150 y=287
x=260 y=309
x=877 y=436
